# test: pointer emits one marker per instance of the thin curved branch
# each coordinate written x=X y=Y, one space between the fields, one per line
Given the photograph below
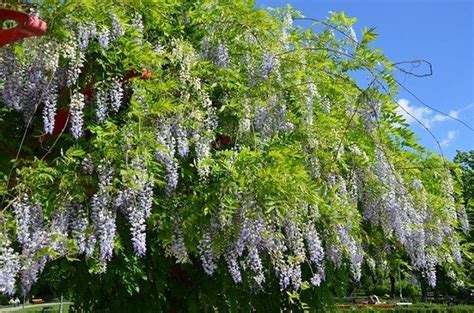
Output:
x=414 y=64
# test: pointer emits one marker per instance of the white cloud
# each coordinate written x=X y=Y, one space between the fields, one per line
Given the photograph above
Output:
x=413 y=113
x=452 y=134
x=427 y=117
x=441 y=118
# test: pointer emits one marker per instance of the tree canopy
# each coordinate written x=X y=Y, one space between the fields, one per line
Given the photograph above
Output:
x=211 y=154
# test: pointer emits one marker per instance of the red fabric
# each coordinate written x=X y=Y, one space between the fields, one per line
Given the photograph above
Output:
x=60 y=122
x=27 y=26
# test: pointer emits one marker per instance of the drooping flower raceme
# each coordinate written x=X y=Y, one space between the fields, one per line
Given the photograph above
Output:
x=269 y=64
x=181 y=139
x=104 y=38
x=222 y=55
x=32 y=236
x=77 y=116
x=207 y=256
x=178 y=248
x=286 y=27
x=115 y=94
x=85 y=32
x=167 y=155
x=49 y=110
x=101 y=104
x=137 y=25
x=103 y=216
x=117 y=28
x=9 y=266
x=75 y=59
x=78 y=225
x=135 y=203
x=316 y=254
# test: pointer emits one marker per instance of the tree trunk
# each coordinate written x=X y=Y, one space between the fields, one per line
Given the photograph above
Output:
x=392 y=285
x=424 y=288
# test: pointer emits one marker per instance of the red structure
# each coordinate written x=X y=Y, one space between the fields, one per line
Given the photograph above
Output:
x=145 y=74
x=26 y=26
x=61 y=120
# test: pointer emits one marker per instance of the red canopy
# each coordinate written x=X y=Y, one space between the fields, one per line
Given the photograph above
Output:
x=27 y=26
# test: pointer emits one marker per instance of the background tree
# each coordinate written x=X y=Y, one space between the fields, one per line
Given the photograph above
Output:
x=466 y=178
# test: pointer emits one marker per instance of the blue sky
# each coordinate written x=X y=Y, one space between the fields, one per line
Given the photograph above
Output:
x=440 y=31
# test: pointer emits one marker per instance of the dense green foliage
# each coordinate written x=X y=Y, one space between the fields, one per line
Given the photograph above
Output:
x=466 y=178
x=273 y=179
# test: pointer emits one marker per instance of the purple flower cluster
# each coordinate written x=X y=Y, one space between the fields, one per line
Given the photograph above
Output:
x=272 y=119
x=205 y=49
x=30 y=80
x=135 y=203
x=178 y=248
x=101 y=105
x=463 y=220
x=233 y=266
x=77 y=116
x=310 y=95
x=75 y=61
x=10 y=73
x=59 y=226
x=87 y=166
x=269 y=64
x=180 y=138
x=430 y=271
x=370 y=115
x=286 y=26
x=9 y=266
x=103 y=216
x=356 y=258
x=294 y=238
x=254 y=241
x=49 y=109
x=326 y=104
x=104 y=38
x=222 y=55
x=276 y=249
x=116 y=30
x=249 y=239
x=85 y=32
x=173 y=137
x=208 y=258
x=78 y=225
x=316 y=254
x=115 y=94
x=166 y=156
x=202 y=147
x=137 y=24
x=334 y=253
x=408 y=217
x=32 y=236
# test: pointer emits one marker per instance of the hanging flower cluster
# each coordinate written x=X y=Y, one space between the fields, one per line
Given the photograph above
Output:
x=48 y=68
x=136 y=204
x=9 y=266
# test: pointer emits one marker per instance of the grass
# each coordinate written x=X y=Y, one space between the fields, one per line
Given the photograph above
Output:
x=419 y=308
x=39 y=309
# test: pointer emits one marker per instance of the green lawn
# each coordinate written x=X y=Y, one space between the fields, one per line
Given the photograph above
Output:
x=419 y=308
x=38 y=309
